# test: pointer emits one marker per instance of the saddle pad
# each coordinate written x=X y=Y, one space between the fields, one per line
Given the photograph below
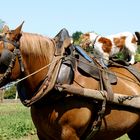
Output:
x=83 y=53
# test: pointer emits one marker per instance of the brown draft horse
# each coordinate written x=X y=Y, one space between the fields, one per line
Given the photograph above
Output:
x=70 y=117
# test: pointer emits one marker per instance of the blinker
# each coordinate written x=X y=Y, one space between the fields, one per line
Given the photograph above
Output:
x=5 y=59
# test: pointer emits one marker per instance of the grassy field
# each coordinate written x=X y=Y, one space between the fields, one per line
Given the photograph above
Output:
x=16 y=123
x=124 y=137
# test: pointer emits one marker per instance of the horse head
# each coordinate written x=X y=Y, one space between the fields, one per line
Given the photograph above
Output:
x=9 y=44
x=21 y=55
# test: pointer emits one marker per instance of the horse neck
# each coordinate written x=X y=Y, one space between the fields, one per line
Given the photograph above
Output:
x=37 y=52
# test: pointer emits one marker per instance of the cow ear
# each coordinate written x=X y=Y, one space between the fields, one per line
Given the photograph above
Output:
x=5 y=29
x=17 y=32
x=86 y=34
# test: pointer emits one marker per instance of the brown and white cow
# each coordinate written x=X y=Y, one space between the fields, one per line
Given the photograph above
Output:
x=110 y=45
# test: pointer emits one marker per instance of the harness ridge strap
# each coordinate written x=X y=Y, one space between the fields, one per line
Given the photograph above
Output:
x=20 y=60
x=51 y=76
x=49 y=82
x=107 y=86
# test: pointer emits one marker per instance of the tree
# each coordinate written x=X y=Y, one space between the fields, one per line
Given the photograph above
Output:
x=2 y=91
x=10 y=92
x=1 y=24
x=76 y=37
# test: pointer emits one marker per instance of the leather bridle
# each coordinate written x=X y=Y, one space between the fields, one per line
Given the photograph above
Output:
x=14 y=54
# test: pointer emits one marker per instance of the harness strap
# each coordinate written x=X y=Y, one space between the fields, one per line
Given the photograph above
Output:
x=107 y=86
x=48 y=83
x=18 y=53
x=98 y=121
x=104 y=81
x=51 y=78
x=20 y=60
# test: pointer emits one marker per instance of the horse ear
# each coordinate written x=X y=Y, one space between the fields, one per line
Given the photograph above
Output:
x=18 y=29
x=5 y=29
x=17 y=32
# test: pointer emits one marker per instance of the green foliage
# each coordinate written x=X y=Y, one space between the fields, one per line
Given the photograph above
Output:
x=124 y=137
x=15 y=121
x=1 y=24
x=10 y=92
x=120 y=56
x=89 y=49
x=137 y=57
x=76 y=37
x=138 y=50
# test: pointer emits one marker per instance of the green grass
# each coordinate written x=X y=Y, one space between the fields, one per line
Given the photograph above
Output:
x=15 y=121
x=137 y=57
x=124 y=137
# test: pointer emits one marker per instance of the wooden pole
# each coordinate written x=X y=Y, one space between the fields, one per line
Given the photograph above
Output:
x=1 y=95
x=120 y=99
x=16 y=97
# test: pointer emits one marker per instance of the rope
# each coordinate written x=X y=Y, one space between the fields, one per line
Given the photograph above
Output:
x=16 y=82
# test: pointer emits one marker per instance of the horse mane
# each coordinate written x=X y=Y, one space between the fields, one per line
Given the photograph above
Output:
x=35 y=44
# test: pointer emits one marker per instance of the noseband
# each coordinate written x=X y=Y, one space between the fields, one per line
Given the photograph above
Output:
x=16 y=53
